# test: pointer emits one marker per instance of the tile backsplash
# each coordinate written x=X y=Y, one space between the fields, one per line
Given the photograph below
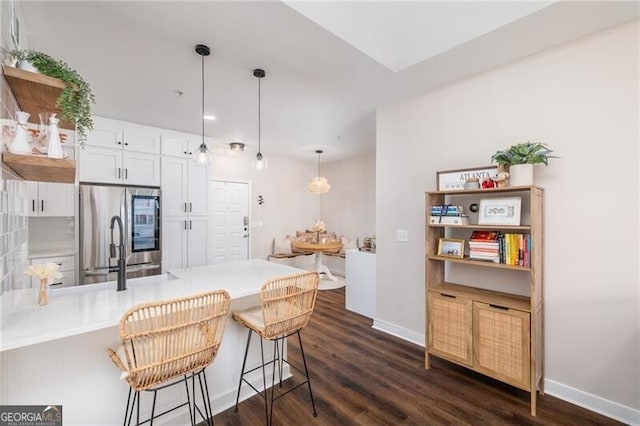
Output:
x=51 y=233
x=14 y=236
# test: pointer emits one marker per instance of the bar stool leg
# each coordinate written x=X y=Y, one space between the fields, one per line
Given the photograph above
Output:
x=244 y=364
x=306 y=371
x=206 y=387
x=264 y=382
x=153 y=407
x=186 y=385
x=126 y=411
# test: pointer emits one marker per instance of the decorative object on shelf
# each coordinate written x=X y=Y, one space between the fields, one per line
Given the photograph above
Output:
x=236 y=146
x=76 y=98
x=259 y=163
x=451 y=247
x=500 y=211
x=319 y=184
x=519 y=159
x=472 y=183
x=500 y=180
x=54 y=149
x=45 y=272
x=448 y=214
x=454 y=180
x=474 y=207
x=202 y=156
x=20 y=143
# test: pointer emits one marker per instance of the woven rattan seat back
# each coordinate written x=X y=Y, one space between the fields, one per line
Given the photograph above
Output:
x=287 y=303
x=172 y=338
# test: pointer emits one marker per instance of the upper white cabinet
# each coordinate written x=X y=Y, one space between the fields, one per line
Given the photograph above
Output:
x=47 y=199
x=117 y=134
x=121 y=153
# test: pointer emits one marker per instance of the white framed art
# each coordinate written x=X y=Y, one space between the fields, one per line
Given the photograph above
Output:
x=500 y=211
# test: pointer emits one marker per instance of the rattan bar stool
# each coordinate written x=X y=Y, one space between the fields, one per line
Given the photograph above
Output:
x=169 y=342
x=286 y=306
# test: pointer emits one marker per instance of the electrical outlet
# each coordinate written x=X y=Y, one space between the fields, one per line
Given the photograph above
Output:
x=402 y=235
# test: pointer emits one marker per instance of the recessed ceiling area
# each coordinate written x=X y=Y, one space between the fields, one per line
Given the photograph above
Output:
x=401 y=34
x=321 y=92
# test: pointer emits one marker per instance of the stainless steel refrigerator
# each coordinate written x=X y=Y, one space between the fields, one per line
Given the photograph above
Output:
x=139 y=209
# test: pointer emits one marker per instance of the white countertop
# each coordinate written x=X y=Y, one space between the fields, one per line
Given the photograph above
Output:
x=76 y=310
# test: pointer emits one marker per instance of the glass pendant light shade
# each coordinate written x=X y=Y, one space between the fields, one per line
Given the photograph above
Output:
x=319 y=184
x=259 y=163
x=202 y=156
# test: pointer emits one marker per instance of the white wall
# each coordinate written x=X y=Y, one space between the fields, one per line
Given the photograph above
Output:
x=349 y=208
x=288 y=206
x=582 y=99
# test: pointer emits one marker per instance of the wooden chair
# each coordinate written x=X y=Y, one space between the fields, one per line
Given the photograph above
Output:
x=171 y=339
x=286 y=306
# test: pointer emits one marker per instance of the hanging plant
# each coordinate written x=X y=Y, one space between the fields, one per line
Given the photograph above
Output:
x=76 y=98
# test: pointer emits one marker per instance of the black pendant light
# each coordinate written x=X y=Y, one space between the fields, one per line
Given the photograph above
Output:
x=259 y=163
x=202 y=156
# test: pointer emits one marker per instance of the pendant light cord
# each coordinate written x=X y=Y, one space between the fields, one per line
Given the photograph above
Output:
x=202 y=100
x=259 y=116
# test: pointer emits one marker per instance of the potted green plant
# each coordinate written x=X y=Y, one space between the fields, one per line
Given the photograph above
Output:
x=519 y=159
x=76 y=98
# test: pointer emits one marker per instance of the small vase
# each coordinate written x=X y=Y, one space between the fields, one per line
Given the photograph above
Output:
x=27 y=66
x=20 y=144
x=521 y=175
x=55 y=147
x=43 y=295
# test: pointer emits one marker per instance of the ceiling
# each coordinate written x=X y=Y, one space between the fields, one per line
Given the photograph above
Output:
x=329 y=65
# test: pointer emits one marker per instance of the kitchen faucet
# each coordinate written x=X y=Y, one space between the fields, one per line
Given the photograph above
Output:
x=122 y=280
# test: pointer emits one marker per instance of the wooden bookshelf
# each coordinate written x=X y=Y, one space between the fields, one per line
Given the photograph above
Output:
x=494 y=333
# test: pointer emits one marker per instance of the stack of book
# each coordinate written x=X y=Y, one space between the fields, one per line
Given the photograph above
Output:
x=485 y=245
x=516 y=250
x=448 y=215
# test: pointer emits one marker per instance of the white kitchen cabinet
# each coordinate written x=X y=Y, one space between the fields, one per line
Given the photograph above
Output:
x=116 y=134
x=184 y=187
x=105 y=165
x=67 y=267
x=360 y=270
x=46 y=199
x=185 y=242
x=181 y=144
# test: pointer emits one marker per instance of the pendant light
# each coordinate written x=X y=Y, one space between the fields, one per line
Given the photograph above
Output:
x=259 y=163
x=319 y=184
x=202 y=156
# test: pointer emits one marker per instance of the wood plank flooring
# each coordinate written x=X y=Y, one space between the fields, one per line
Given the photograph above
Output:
x=361 y=376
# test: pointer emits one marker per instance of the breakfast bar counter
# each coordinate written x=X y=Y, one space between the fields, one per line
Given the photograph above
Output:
x=55 y=354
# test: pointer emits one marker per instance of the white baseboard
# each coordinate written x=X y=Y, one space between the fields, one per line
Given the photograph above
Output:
x=592 y=402
x=567 y=393
x=401 y=332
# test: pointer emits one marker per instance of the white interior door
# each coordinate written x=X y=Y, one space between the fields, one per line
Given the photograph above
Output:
x=230 y=221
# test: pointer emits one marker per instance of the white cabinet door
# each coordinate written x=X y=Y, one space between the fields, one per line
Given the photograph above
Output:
x=198 y=189
x=100 y=165
x=50 y=199
x=56 y=199
x=174 y=186
x=141 y=169
x=175 y=146
x=105 y=134
x=33 y=202
x=198 y=232
x=174 y=243
x=142 y=139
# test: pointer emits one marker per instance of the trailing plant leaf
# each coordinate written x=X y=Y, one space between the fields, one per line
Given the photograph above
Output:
x=76 y=98
x=524 y=153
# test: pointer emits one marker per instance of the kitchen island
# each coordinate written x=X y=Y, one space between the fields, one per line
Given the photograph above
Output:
x=55 y=354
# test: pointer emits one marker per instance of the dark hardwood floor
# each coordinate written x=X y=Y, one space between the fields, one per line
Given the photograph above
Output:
x=361 y=376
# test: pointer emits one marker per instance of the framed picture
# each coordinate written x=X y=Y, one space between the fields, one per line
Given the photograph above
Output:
x=450 y=247
x=453 y=180
x=499 y=211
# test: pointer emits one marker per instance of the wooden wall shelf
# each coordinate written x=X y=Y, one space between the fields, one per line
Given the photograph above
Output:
x=41 y=168
x=35 y=93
